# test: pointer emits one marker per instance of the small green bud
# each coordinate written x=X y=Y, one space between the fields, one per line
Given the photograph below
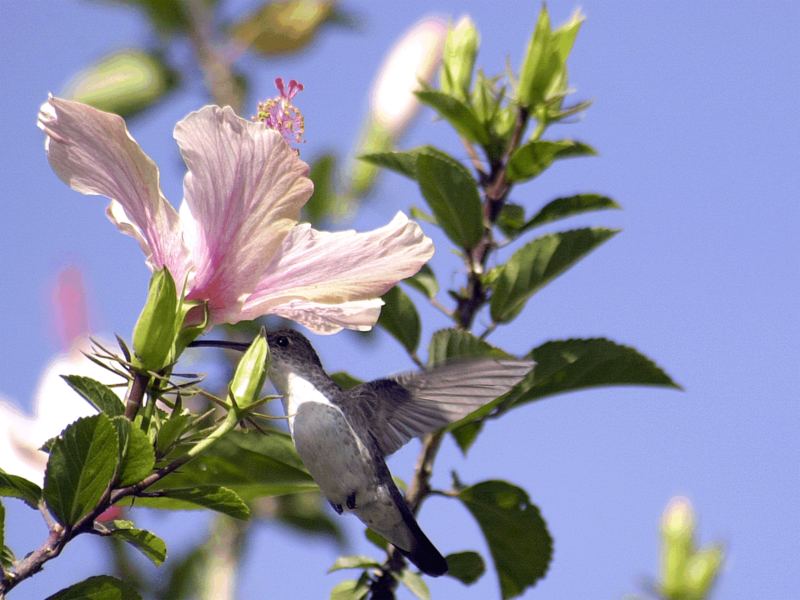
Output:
x=250 y=373
x=124 y=83
x=702 y=569
x=677 y=533
x=157 y=327
x=458 y=61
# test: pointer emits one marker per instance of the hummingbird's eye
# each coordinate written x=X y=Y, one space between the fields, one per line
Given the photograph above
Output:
x=282 y=341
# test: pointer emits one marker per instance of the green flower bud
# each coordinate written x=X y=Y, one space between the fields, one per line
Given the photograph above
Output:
x=250 y=373
x=702 y=569
x=677 y=532
x=157 y=327
x=458 y=61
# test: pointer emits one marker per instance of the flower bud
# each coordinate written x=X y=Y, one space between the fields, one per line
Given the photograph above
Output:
x=250 y=373
x=458 y=59
x=677 y=532
x=157 y=327
x=702 y=569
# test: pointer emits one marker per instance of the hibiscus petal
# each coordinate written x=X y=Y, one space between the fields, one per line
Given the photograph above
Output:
x=330 y=268
x=93 y=152
x=243 y=194
x=332 y=318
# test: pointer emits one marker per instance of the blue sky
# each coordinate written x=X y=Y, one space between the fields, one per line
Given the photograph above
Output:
x=694 y=116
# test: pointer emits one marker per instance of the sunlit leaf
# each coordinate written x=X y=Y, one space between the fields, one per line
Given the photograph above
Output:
x=214 y=497
x=466 y=434
x=424 y=281
x=404 y=162
x=97 y=394
x=82 y=462
x=517 y=536
x=452 y=194
x=536 y=264
x=399 y=317
x=451 y=344
x=14 y=486
x=467 y=567
x=101 y=587
x=135 y=450
x=561 y=208
x=354 y=562
x=351 y=589
x=531 y=159
x=149 y=544
x=415 y=584
x=456 y=112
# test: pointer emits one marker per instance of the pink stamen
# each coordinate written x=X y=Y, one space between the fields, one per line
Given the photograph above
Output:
x=280 y=114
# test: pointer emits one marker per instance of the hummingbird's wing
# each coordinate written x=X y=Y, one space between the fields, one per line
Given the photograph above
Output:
x=413 y=404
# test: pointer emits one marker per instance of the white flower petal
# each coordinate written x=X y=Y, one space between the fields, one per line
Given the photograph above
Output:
x=243 y=193
x=325 y=319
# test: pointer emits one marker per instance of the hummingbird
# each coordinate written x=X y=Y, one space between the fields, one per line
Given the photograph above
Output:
x=344 y=436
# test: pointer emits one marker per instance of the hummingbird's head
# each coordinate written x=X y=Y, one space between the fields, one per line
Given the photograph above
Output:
x=291 y=352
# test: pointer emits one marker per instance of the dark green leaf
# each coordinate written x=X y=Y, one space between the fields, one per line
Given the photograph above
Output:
x=324 y=203
x=415 y=584
x=405 y=162
x=536 y=264
x=7 y=557
x=568 y=365
x=354 y=562
x=149 y=544
x=101 y=587
x=561 y=208
x=283 y=27
x=452 y=194
x=125 y=82
x=511 y=219
x=172 y=429
x=517 y=536
x=533 y=158
x=351 y=589
x=424 y=281
x=81 y=465
x=14 y=486
x=136 y=453
x=399 y=317
x=459 y=114
x=98 y=395
x=450 y=344
x=252 y=464
x=345 y=380
x=466 y=434
x=467 y=567
x=166 y=16
x=214 y=497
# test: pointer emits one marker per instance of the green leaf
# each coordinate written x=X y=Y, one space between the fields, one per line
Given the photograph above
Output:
x=283 y=27
x=251 y=464
x=125 y=82
x=81 y=466
x=424 y=281
x=14 y=486
x=531 y=159
x=375 y=538
x=307 y=514
x=561 y=208
x=351 y=589
x=467 y=567
x=324 y=202
x=404 y=163
x=399 y=317
x=354 y=562
x=149 y=544
x=536 y=264
x=450 y=344
x=511 y=219
x=459 y=114
x=97 y=394
x=171 y=430
x=452 y=194
x=517 y=536
x=574 y=364
x=2 y=534
x=7 y=557
x=415 y=584
x=135 y=452
x=466 y=434
x=214 y=497
x=345 y=380
x=100 y=587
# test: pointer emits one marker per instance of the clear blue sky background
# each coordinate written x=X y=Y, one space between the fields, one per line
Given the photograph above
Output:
x=695 y=117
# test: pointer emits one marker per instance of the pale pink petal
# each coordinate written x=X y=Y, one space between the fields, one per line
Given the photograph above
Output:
x=93 y=153
x=19 y=453
x=329 y=268
x=243 y=193
x=325 y=319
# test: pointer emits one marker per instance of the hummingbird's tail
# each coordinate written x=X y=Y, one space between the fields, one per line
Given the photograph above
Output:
x=422 y=552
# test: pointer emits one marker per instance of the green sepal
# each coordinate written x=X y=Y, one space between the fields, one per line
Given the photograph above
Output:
x=248 y=379
x=157 y=327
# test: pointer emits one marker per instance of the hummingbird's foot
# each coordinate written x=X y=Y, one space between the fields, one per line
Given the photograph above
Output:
x=351 y=501
x=337 y=507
